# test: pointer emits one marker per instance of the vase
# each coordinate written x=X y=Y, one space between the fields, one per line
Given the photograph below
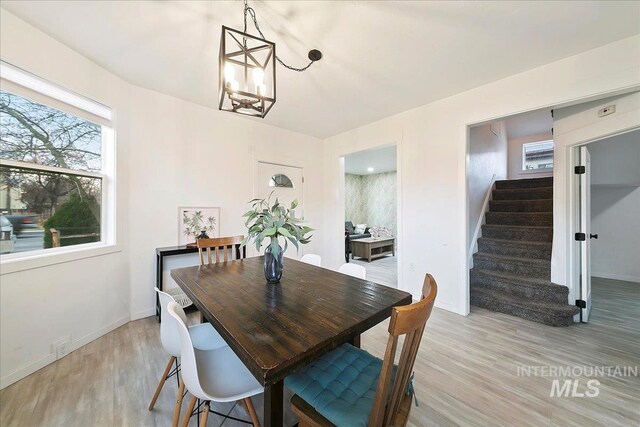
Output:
x=273 y=265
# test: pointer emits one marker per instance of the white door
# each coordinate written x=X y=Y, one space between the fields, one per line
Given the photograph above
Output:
x=585 y=228
x=285 y=183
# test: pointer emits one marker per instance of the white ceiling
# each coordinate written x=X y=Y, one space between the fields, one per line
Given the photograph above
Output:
x=380 y=57
x=380 y=159
x=530 y=123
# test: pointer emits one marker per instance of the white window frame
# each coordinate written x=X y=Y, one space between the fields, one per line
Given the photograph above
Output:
x=524 y=155
x=22 y=83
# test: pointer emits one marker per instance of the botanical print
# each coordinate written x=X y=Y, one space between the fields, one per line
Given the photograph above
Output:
x=196 y=222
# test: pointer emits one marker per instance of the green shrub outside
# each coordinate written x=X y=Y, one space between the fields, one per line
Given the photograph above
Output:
x=75 y=216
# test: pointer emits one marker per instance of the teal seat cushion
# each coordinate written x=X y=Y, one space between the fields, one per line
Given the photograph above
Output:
x=341 y=385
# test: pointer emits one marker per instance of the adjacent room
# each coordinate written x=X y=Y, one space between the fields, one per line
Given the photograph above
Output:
x=370 y=202
x=319 y=213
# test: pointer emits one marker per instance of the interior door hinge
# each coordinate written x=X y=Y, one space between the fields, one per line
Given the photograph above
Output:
x=581 y=303
x=581 y=237
x=580 y=170
x=303 y=179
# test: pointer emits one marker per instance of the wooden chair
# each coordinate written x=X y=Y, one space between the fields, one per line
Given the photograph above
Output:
x=392 y=401
x=221 y=244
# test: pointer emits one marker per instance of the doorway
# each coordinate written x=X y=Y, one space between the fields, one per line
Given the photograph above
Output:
x=371 y=213
x=608 y=225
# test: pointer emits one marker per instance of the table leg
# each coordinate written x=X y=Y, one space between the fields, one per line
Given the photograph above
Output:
x=273 y=405
x=355 y=341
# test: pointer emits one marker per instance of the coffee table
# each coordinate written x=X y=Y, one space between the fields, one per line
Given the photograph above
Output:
x=371 y=248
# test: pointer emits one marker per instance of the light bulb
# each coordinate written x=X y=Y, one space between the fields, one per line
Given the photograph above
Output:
x=234 y=85
x=229 y=72
x=258 y=76
x=261 y=89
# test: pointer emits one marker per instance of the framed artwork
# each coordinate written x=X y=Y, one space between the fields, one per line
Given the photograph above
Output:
x=194 y=222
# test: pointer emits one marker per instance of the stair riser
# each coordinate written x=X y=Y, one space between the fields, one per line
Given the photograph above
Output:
x=528 y=234
x=521 y=250
x=521 y=205
x=524 y=183
x=542 y=219
x=529 y=293
x=519 y=268
x=524 y=194
x=544 y=318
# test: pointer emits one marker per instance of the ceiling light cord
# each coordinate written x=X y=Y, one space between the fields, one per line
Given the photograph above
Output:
x=249 y=10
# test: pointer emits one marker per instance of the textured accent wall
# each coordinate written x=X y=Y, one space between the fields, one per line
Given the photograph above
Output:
x=372 y=200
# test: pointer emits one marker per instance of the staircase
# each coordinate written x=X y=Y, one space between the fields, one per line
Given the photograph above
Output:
x=512 y=269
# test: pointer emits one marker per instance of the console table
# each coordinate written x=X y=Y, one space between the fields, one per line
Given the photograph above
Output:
x=371 y=248
x=161 y=253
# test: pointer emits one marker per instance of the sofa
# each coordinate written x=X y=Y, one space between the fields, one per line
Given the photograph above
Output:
x=349 y=235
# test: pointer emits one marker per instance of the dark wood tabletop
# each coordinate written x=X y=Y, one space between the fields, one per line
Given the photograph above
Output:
x=277 y=329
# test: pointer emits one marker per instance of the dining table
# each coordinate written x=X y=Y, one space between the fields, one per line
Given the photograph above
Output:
x=276 y=329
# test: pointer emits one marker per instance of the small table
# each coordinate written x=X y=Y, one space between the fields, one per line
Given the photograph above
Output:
x=277 y=329
x=371 y=248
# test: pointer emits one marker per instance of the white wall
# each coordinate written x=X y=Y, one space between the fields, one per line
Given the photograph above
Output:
x=615 y=207
x=184 y=154
x=486 y=162
x=432 y=155
x=85 y=298
x=573 y=126
x=515 y=157
x=170 y=153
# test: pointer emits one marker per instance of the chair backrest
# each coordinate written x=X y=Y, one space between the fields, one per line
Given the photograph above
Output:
x=221 y=244
x=312 y=259
x=188 y=365
x=407 y=320
x=354 y=270
x=168 y=332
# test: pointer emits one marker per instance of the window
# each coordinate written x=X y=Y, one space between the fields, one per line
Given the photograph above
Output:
x=280 y=181
x=537 y=155
x=53 y=175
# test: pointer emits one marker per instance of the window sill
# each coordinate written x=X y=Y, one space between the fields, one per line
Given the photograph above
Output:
x=13 y=263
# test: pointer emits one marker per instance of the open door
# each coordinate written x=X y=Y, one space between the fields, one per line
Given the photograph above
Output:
x=584 y=236
x=285 y=182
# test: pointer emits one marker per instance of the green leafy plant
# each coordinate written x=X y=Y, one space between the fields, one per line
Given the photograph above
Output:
x=195 y=224
x=265 y=220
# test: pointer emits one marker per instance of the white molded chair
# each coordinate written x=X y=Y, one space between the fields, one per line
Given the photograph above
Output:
x=213 y=375
x=312 y=259
x=353 y=270
x=204 y=337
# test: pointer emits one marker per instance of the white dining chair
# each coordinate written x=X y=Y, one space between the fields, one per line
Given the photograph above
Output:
x=215 y=375
x=312 y=259
x=354 y=270
x=203 y=335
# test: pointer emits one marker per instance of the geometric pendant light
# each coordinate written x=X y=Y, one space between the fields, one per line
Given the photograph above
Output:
x=247 y=70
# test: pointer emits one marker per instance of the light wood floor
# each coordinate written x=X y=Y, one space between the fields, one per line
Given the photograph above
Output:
x=466 y=373
x=382 y=270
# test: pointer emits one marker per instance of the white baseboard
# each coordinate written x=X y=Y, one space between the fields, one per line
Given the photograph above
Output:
x=45 y=360
x=26 y=370
x=143 y=313
x=614 y=276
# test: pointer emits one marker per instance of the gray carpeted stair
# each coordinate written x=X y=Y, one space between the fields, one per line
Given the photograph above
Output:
x=512 y=268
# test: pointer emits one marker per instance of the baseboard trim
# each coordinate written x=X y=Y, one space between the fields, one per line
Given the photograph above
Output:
x=36 y=365
x=614 y=276
x=143 y=313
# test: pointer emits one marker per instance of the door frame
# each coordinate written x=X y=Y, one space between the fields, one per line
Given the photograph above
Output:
x=572 y=200
x=342 y=202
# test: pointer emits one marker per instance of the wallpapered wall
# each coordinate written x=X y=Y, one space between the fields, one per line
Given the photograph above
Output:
x=371 y=200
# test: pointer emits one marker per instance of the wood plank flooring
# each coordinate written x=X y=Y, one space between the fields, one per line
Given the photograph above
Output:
x=465 y=373
x=381 y=270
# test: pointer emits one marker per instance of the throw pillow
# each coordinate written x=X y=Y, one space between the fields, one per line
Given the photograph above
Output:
x=360 y=228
